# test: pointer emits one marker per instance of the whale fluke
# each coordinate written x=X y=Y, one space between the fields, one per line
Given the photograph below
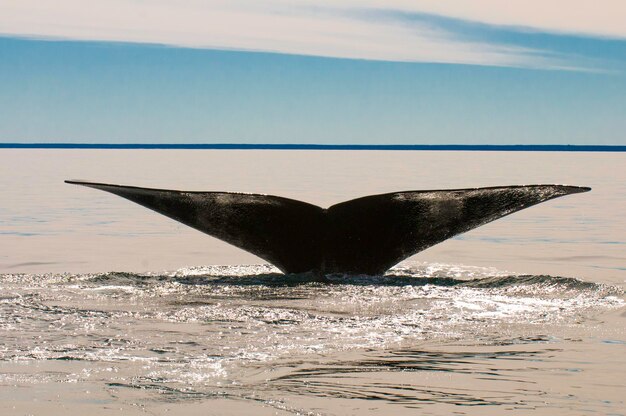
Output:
x=362 y=236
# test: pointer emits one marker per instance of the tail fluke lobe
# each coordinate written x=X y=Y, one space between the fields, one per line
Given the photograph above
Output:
x=363 y=236
x=282 y=231
x=376 y=232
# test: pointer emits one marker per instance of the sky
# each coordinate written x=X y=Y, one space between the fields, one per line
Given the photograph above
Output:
x=327 y=72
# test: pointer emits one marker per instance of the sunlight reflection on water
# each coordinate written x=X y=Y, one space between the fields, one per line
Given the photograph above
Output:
x=250 y=333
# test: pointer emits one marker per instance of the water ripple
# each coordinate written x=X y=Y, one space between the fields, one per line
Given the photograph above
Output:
x=250 y=333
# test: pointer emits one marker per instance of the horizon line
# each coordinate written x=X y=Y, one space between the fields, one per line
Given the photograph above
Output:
x=310 y=146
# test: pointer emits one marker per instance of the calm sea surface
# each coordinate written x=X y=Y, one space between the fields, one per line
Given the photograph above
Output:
x=109 y=308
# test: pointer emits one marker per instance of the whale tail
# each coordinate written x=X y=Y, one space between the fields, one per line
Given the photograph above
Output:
x=362 y=236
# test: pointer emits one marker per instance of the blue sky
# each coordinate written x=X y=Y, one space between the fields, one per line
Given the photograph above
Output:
x=227 y=72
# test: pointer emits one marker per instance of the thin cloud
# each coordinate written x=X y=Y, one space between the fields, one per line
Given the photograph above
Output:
x=306 y=28
x=601 y=18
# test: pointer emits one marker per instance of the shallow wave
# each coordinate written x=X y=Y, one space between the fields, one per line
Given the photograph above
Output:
x=267 y=275
x=419 y=302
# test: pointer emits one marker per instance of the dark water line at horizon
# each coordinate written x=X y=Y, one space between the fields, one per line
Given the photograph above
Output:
x=309 y=146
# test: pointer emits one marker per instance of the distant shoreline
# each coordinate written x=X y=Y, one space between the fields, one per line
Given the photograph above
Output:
x=241 y=146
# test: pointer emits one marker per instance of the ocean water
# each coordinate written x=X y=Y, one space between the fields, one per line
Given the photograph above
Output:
x=109 y=308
